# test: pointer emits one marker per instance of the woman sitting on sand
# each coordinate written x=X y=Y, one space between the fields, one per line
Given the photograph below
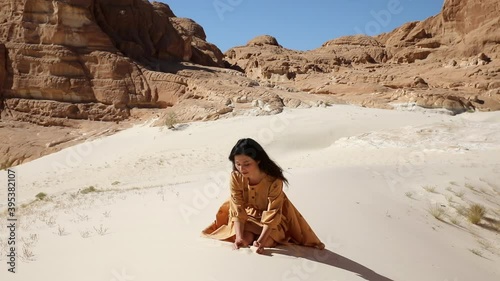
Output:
x=258 y=212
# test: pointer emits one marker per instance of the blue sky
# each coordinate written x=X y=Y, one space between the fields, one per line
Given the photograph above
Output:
x=299 y=24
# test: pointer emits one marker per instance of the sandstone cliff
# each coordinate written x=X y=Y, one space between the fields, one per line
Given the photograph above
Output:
x=448 y=61
x=462 y=29
x=95 y=59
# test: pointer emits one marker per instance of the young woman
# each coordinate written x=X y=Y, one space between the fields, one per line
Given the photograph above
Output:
x=258 y=212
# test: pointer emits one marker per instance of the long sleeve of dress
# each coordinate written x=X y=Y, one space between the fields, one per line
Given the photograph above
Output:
x=272 y=216
x=237 y=201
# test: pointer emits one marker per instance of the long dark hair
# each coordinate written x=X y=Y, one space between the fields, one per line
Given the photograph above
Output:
x=254 y=150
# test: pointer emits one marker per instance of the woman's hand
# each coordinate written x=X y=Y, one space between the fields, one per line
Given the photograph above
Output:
x=260 y=248
x=239 y=243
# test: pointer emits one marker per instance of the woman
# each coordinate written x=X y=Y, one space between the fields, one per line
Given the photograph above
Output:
x=258 y=213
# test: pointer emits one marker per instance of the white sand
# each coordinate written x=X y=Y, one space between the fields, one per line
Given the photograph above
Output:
x=356 y=174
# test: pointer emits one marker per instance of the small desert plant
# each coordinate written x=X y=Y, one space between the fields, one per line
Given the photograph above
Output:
x=34 y=237
x=41 y=195
x=115 y=183
x=484 y=190
x=470 y=186
x=454 y=183
x=431 y=189
x=449 y=198
x=106 y=214
x=82 y=217
x=171 y=120
x=409 y=194
x=455 y=221
x=437 y=211
x=61 y=231
x=28 y=254
x=85 y=234
x=475 y=213
x=486 y=245
x=51 y=221
x=101 y=230
x=492 y=185
x=460 y=194
x=88 y=190
x=476 y=252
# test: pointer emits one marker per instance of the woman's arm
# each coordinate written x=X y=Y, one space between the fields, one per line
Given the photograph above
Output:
x=264 y=235
x=237 y=203
x=237 y=210
x=272 y=216
x=240 y=228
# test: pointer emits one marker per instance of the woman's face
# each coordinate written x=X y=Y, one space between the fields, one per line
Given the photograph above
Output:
x=246 y=166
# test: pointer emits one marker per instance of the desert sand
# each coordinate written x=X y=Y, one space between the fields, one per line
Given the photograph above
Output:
x=131 y=206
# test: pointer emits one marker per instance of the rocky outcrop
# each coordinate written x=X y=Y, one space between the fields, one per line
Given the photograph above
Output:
x=3 y=72
x=202 y=52
x=263 y=40
x=462 y=29
x=416 y=62
x=140 y=30
x=353 y=49
x=96 y=51
x=264 y=58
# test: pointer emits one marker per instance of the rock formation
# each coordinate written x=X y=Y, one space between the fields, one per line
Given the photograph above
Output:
x=63 y=62
x=103 y=55
x=449 y=61
x=462 y=29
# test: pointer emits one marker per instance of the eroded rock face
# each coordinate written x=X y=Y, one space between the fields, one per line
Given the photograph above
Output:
x=95 y=51
x=455 y=55
x=264 y=59
x=3 y=70
x=263 y=40
x=462 y=29
x=202 y=52
x=140 y=31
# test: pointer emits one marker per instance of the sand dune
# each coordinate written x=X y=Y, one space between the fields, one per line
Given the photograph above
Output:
x=365 y=179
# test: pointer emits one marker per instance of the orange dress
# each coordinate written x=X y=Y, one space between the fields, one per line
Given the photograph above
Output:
x=262 y=204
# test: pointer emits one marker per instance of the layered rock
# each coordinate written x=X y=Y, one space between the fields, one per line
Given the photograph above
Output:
x=448 y=61
x=3 y=71
x=462 y=29
x=202 y=52
x=263 y=40
x=95 y=51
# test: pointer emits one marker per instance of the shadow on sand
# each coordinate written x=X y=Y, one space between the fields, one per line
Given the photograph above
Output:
x=329 y=258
